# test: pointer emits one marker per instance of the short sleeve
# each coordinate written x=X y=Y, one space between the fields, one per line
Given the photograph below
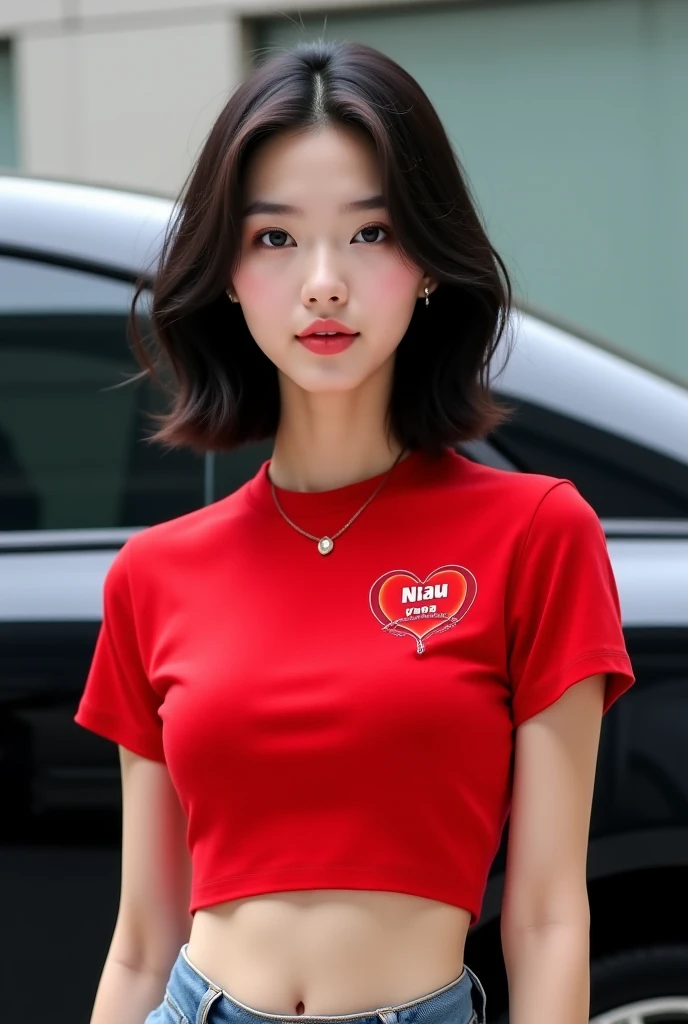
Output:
x=563 y=614
x=118 y=701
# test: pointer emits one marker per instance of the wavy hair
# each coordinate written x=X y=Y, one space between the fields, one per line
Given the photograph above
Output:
x=224 y=390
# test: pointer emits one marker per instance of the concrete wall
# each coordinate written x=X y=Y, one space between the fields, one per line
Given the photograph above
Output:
x=119 y=93
x=569 y=117
x=123 y=92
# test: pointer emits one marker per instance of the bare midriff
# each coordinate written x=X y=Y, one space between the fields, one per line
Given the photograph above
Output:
x=329 y=951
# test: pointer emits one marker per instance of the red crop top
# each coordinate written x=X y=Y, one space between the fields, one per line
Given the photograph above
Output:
x=347 y=721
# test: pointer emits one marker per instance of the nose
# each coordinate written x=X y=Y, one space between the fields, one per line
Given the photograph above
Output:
x=324 y=283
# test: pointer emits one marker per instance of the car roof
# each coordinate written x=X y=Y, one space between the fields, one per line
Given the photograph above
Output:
x=567 y=374
x=69 y=221
x=548 y=364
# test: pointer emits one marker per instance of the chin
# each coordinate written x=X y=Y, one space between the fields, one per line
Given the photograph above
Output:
x=333 y=378
x=329 y=383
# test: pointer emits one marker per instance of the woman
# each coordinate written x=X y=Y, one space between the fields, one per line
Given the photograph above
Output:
x=330 y=687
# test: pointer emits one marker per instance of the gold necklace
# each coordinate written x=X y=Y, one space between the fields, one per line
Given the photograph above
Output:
x=326 y=544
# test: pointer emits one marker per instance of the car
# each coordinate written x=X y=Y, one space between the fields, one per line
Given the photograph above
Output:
x=77 y=478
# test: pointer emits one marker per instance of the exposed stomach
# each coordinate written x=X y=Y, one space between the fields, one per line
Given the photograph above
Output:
x=329 y=951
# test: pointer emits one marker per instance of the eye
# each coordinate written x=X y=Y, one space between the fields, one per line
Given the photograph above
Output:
x=368 y=233
x=277 y=239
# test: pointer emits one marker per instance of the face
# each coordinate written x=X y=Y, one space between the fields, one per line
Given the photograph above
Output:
x=317 y=243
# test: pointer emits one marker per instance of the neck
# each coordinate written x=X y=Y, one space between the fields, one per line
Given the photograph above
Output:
x=330 y=440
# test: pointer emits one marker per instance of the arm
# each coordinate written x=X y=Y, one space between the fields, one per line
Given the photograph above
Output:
x=545 y=925
x=153 y=919
x=126 y=994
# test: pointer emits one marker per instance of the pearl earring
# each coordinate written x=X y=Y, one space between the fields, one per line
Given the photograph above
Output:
x=230 y=296
x=427 y=296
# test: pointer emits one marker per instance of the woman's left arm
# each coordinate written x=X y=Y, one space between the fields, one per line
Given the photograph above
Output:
x=545 y=922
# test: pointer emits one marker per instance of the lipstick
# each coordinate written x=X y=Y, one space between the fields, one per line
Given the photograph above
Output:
x=327 y=337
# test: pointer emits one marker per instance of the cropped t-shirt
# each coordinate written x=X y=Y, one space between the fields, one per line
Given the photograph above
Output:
x=347 y=720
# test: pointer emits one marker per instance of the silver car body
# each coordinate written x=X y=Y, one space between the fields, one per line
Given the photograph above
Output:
x=548 y=365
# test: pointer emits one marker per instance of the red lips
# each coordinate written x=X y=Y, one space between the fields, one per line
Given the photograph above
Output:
x=326 y=325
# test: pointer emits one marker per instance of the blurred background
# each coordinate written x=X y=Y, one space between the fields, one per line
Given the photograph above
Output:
x=570 y=118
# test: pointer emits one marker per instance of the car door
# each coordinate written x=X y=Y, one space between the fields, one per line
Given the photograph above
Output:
x=641 y=497
x=76 y=479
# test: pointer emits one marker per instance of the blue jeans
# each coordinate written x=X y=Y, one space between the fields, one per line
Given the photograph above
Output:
x=192 y=998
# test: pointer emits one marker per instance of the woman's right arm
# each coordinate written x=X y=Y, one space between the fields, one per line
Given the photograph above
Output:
x=153 y=920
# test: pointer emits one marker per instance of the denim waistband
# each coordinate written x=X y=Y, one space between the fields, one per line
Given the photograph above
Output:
x=193 y=998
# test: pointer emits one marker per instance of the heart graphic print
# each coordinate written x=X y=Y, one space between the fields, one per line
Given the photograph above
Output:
x=409 y=606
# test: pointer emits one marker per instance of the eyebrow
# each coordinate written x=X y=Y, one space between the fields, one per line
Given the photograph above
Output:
x=261 y=206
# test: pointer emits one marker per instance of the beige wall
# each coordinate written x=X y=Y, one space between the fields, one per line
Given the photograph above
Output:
x=124 y=101
x=123 y=92
x=128 y=106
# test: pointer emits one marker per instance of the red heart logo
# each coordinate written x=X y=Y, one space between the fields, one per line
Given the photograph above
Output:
x=409 y=606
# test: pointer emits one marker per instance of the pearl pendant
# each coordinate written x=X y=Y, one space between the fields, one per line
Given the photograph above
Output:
x=325 y=545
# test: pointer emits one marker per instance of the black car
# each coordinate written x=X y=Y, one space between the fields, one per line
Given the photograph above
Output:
x=76 y=479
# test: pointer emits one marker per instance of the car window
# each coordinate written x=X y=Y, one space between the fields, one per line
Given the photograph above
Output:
x=232 y=469
x=483 y=451
x=620 y=479
x=72 y=454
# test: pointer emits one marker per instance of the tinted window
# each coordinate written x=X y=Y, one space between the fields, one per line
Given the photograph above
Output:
x=484 y=452
x=71 y=450
x=619 y=478
x=232 y=469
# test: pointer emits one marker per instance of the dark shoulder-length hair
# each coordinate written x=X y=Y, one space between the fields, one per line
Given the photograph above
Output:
x=224 y=390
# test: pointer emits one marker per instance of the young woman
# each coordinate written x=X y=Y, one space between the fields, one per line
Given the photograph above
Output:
x=330 y=687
